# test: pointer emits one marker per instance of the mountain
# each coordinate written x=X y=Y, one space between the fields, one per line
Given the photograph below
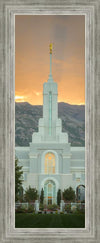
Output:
x=27 y=116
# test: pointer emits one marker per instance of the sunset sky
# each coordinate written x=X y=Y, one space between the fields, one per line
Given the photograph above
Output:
x=33 y=34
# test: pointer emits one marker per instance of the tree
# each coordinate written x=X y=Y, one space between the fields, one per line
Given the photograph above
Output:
x=42 y=196
x=30 y=194
x=69 y=194
x=58 y=197
x=18 y=179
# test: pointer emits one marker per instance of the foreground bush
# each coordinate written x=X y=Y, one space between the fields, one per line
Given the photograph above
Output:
x=24 y=209
x=79 y=210
x=41 y=207
x=68 y=208
x=30 y=194
x=69 y=194
x=52 y=207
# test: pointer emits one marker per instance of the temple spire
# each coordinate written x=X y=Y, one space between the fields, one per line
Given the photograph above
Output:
x=50 y=75
x=50 y=48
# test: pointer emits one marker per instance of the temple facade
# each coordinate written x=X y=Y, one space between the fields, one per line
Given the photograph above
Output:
x=50 y=162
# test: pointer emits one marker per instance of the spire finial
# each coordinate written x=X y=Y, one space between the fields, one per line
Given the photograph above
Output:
x=50 y=74
x=50 y=48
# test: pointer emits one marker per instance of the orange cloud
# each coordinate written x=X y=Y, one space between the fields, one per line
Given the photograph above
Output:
x=32 y=38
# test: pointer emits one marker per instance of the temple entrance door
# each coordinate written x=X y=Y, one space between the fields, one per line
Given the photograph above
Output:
x=80 y=193
x=49 y=201
x=49 y=192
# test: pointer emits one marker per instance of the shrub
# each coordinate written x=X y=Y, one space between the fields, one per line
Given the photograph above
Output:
x=24 y=206
x=21 y=210
x=74 y=209
x=30 y=194
x=56 y=212
x=59 y=197
x=49 y=207
x=42 y=196
x=79 y=210
x=68 y=208
x=30 y=209
x=52 y=207
x=41 y=207
x=69 y=194
x=18 y=181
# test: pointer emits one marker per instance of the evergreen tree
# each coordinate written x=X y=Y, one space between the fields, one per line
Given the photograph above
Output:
x=69 y=194
x=18 y=179
x=42 y=196
x=58 y=197
x=30 y=194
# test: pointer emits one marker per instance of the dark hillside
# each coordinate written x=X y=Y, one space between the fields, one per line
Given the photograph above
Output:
x=27 y=116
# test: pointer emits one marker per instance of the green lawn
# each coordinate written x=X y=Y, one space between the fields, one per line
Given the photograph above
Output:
x=25 y=220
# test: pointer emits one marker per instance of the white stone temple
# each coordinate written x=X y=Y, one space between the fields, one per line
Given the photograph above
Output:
x=50 y=162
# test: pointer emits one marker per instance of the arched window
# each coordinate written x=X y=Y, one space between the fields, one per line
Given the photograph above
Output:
x=80 y=192
x=49 y=163
x=49 y=192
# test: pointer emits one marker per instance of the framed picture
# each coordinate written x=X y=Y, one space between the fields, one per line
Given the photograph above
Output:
x=10 y=12
x=50 y=125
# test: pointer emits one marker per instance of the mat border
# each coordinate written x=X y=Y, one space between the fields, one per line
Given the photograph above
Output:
x=7 y=120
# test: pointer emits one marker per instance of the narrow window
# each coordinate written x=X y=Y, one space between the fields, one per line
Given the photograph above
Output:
x=49 y=163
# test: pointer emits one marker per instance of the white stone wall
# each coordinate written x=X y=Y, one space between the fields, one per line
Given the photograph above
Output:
x=70 y=168
x=66 y=181
x=32 y=180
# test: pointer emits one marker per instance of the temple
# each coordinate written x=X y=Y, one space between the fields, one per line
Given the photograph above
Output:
x=50 y=162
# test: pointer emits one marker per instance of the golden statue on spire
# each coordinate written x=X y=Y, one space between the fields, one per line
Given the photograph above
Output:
x=50 y=48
